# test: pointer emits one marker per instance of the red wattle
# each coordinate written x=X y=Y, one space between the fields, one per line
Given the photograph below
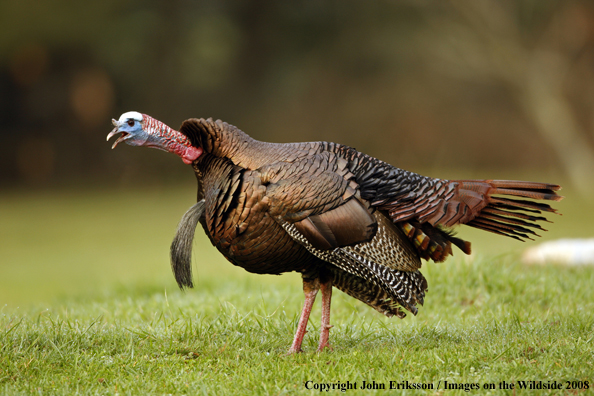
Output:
x=191 y=154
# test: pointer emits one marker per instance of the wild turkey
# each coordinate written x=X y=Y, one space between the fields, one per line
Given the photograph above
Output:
x=339 y=217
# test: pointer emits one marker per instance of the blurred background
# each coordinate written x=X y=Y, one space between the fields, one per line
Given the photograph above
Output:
x=451 y=89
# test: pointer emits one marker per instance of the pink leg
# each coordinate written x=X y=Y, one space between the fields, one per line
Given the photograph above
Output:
x=310 y=289
x=325 y=326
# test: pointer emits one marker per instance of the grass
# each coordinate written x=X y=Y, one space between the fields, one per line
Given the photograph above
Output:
x=90 y=307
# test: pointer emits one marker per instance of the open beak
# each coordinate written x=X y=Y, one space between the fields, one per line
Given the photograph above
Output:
x=124 y=136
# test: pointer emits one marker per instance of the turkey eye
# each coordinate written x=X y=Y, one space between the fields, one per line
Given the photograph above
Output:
x=131 y=122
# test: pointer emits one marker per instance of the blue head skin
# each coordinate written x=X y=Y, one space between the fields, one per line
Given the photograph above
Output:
x=130 y=125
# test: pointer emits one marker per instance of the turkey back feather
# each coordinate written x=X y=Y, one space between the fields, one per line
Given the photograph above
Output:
x=425 y=208
x=181 y=247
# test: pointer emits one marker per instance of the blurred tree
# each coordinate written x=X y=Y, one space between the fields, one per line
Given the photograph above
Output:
x=535 y=49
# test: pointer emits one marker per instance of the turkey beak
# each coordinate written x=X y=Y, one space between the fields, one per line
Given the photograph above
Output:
x=115 y=131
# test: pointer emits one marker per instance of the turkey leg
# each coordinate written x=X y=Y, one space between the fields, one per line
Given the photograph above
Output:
x=325 y=326
x=310 y=289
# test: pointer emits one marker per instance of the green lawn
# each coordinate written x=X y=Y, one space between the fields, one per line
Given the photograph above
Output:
x=89 y=306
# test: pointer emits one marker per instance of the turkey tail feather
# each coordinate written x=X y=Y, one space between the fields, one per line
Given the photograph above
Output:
x=504 y=207
x=523 y=185
x=181 y=247
x=507 y=216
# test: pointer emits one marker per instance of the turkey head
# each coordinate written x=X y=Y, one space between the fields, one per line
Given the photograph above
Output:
x=142 y=130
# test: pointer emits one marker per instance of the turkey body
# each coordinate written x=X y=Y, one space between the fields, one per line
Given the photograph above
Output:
x=238 y=223
x=339 y=217
x=244 y=218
